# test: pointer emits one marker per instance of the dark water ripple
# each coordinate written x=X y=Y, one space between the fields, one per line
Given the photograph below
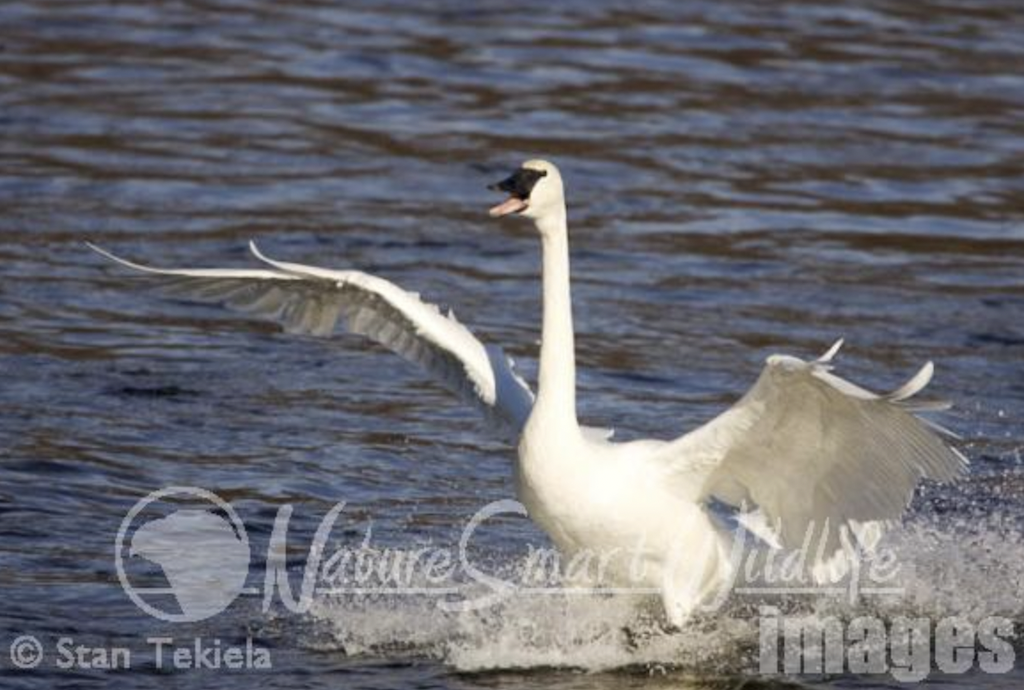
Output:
x=744 y=177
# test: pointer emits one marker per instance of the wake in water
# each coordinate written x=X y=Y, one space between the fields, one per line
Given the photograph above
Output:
x=959 y=554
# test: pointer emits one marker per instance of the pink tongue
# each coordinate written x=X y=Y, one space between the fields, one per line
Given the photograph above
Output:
x=510 y=205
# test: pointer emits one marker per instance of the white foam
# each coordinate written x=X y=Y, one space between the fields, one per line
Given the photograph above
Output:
x=950 y=565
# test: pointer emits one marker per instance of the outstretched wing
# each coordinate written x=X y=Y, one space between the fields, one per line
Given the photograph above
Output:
x=827 y=462
x=311 y=300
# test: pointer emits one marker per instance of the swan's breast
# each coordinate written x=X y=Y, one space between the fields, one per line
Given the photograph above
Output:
x=588 y=495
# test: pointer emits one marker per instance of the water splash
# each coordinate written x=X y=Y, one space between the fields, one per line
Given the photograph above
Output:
x=962 y=557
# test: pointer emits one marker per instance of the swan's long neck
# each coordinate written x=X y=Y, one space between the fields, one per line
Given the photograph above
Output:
x=556 y=389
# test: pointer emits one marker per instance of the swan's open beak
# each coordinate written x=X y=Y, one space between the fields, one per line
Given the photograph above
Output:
x=517 y=195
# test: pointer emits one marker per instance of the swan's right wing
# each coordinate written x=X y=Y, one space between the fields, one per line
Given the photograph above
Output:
x=823 y=459
x=311 y=300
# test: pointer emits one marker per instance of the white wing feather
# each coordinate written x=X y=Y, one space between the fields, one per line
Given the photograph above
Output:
x=311 y=300
x=817 y=455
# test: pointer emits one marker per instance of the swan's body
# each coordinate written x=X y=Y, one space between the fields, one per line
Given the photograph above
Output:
x=811 y=452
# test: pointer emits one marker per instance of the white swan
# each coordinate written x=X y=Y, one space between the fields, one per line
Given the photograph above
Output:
x=806 y=449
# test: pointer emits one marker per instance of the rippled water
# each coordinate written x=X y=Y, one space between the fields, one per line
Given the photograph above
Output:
x=744 y=177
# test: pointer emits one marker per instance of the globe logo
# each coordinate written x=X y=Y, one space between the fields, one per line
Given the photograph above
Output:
x=199 y=544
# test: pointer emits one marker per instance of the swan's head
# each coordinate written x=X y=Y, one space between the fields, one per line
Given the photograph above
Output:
x=534 y=190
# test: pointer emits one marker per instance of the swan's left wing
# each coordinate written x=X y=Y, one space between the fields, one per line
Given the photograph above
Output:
x=827 y=462
x=311 y=300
